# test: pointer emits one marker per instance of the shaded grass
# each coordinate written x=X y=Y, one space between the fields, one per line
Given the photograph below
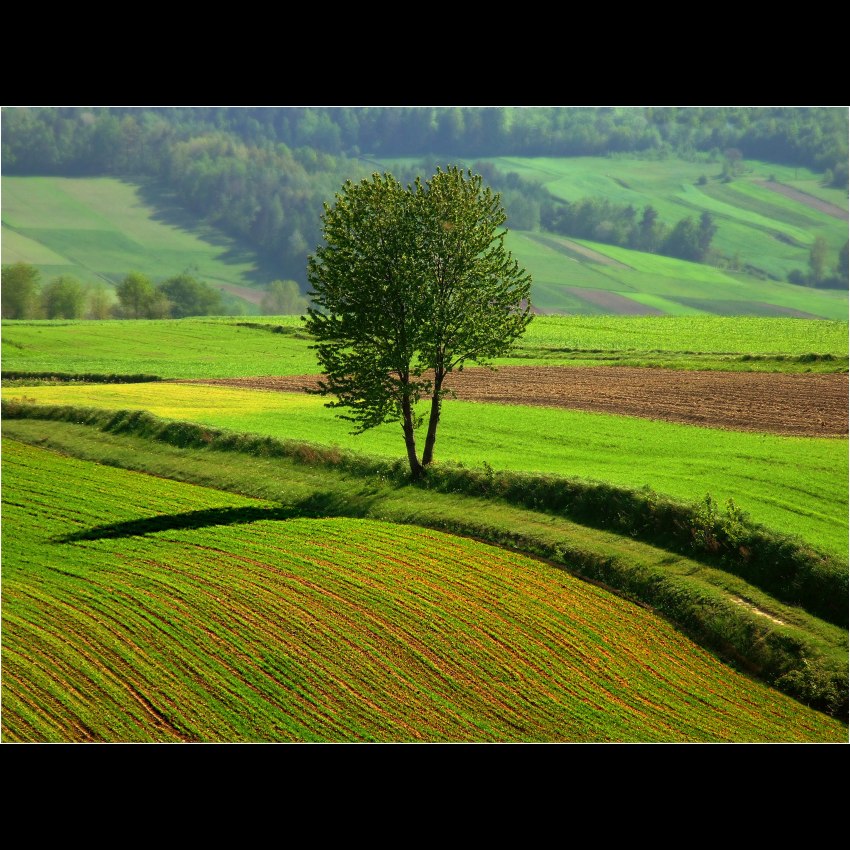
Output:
x=101 y=228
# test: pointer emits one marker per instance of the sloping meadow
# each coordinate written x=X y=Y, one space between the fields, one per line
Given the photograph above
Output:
x=141 y=609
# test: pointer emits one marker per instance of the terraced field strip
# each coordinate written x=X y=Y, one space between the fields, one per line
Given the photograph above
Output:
x=794 y=484
x=775 y=403
x=122 y=622
x=805 y=198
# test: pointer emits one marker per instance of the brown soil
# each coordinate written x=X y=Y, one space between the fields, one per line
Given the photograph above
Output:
x=794 y=405
x=804 y=198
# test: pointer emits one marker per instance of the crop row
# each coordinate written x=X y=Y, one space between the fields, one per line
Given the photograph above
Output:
x=326 y=630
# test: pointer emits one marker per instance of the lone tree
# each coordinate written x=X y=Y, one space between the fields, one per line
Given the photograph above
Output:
x=411 y=284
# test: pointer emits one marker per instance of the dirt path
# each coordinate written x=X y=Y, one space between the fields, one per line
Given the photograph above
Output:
x=791 y=405
x=804 y=198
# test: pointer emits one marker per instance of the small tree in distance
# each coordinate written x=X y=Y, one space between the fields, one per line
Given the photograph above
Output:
x=283 y=298
x=411 y=284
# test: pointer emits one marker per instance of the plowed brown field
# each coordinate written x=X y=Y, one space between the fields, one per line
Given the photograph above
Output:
x=799 y=405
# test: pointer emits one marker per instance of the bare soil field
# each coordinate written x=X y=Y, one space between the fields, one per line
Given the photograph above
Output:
x=791 y=405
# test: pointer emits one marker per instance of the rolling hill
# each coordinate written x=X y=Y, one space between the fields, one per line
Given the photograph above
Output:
x=99 y=229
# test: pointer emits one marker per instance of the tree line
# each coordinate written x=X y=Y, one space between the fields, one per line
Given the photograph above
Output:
x=137 y=140
x=263 y=174
x=24 y=296
x=822 y=273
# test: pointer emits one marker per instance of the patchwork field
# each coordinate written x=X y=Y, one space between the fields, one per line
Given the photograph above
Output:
x=139 y=609
x=100 y=229
x=797 y=484
x=332 y=622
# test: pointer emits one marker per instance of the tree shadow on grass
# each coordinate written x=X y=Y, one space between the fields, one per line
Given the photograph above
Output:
x=168 y=210
x=316 y=506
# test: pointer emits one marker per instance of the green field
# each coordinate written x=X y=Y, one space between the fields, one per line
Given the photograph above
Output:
x=99 y=229
x=183 y=348
x=758 y=227
x=750 y=216
x=140 y=609
x=225 y=348
x=662 y=284
x=797 y=485
x=793 y=486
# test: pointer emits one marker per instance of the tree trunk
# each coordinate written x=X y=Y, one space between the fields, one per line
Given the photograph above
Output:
x=433 y=420
x=410 y=438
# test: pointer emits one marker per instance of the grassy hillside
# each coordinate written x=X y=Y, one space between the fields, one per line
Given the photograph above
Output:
x=757 y=226
x=139 y=609
x=100 y=229
x=768 y=230
x=640 y=283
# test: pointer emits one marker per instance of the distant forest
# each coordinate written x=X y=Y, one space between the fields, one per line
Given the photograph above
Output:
x=262 y=173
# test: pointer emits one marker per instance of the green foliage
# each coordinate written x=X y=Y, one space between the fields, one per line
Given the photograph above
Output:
x=63 y=298
x=19 y=291
x=283 y=298
x=616 y=224
x=818 y=259
x=189 y=296
x=411 y=284
x=100 y=304
x=136 y=295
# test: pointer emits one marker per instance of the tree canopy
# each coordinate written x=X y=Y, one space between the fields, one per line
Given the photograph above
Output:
x=411 y=284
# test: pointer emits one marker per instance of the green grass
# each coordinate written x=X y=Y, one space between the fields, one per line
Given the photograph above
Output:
x=100 y=229
x=138 y=609
x=796 y=485
x=694 y=334
x=190 y=348
x=558 y=277
x=222 y=348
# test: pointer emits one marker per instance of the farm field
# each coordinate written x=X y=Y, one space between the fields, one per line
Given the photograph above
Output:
x=796 y=484
x=775 y=403
x=635 y=525
x=241 y=348
x=767 y=226
x=141 y=609
x=792 y=484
